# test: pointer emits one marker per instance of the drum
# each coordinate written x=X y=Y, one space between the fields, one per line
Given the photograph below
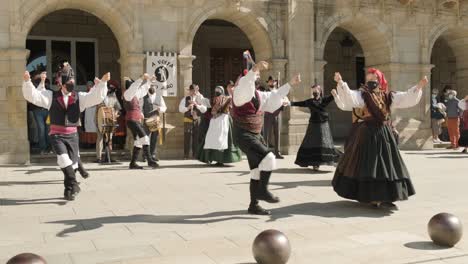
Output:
x=153 y=123
x=106 y=120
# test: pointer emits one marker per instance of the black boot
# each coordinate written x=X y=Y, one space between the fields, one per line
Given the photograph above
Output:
x=71 y=185
x=263 y=193
x=254 y=208
x=146 y=153
x=82 y=170
x=133 y=164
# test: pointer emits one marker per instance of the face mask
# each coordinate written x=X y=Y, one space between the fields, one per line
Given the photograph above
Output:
x=451 y=96
x=315 y=94
x=70 y=87
x=371 y=85
x=217 y=93
x=151 y=90
x=434 y=96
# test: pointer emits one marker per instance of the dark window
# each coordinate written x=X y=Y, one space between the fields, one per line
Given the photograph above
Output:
x=37 y=61
x=85 y=62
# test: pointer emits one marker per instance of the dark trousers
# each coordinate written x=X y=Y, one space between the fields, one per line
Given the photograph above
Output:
x=63 y=144
x=191 y=130
x=40 y=115
x=154 y=136
x=253 y=145
x=136 y=128
x=271 y=131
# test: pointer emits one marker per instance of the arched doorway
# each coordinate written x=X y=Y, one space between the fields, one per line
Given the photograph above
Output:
x=348 y=44
x=83 y=40
x=448 y=55
x=343 y=53
x=218 y=47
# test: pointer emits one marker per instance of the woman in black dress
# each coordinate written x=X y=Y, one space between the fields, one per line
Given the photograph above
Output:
x=372 y=169
x=317 y=148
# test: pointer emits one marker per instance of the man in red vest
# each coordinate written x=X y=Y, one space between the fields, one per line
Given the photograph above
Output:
x=249 y=106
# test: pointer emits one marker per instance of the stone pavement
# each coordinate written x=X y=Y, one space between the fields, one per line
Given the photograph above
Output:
x=186 y=212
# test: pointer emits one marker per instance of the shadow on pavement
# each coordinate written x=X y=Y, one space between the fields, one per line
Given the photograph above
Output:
x=13 y=183
x=14 y=202
x=292 y=185
x=339 y=209
x=424 y=245
x=336 y=209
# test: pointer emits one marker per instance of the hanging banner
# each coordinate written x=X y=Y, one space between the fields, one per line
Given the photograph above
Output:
x=163 y=65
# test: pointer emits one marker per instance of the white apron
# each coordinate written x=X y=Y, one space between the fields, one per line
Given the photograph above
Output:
x=218 y=132
x=90 y=120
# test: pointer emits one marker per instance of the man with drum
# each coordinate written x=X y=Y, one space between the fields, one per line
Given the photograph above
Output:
x=113 y=108
x=65 y=106
x=136 y=90
x=153 y=106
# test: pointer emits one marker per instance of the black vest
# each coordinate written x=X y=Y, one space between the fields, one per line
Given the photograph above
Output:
x=188 y=114
x=148 y=107
x=61 y=116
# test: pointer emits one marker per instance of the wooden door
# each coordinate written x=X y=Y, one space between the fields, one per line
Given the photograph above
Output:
x=225 y=65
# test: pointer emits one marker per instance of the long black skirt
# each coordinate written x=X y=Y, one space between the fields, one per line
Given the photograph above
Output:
x=317 y=147
x=372 y=169
x=463 y=141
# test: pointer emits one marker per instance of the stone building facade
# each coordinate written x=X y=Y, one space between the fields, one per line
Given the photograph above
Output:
x=406 y=39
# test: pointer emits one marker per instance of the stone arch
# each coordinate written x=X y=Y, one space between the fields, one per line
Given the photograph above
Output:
x=456 y=37
x=253 y=25
x=374 y=37
x=118 y=17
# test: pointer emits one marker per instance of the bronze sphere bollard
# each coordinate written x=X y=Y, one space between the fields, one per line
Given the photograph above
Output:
x=445 y=229
x=271 y=247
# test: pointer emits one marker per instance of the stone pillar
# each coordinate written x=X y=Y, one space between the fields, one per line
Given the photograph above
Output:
x=300 y=51
x=14 y=144
x=174 y=144
x=413 y=124
x=319 y=74
x=279 y=66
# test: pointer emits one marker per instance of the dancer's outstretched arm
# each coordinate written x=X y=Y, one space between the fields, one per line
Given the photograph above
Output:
x=341 y=105
x=138 y=88
x=462 y=103
x=272 y=101
x=350 y=98
x=411 y=97
x=40 y=97
x=245 y=89
x=96 y=95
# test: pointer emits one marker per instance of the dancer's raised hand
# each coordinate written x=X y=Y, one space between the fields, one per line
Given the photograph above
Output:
x=296 y=79
x=43 y=77
x=334 y=93
x=423 y=82
x=106 y=77
x=262 y=65
x=26 y=76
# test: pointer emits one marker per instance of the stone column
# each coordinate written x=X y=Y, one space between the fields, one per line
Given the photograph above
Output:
x=174 y=144
x=413 y=124
x=14 y=144
x=300 y=51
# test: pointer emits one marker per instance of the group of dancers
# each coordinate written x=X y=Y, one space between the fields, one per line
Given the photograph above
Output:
x=371 y=169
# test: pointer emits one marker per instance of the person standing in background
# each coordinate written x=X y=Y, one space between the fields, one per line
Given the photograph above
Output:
x=153 y=105
x=437 y=117
x=463 y=141
x=40 y=116
x=271 y=126
x=112 y=101
x=453 y=118
x=192 y=106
